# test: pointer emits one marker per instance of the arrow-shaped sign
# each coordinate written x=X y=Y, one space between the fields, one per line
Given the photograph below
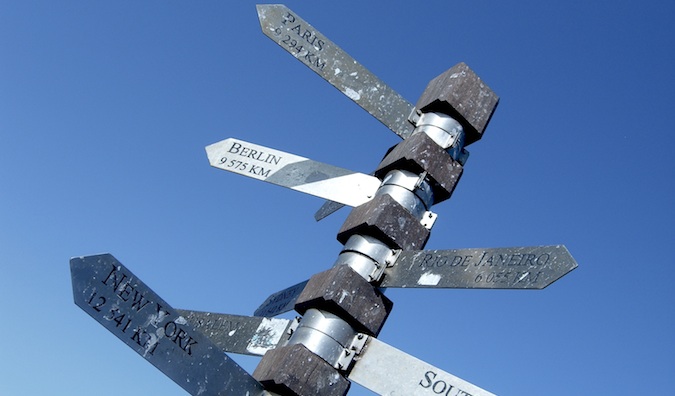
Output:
x=292 y=171
x=329 y=61
x=495 y=268
x=129 y=309
x=338 y=68
x=532 y=267
x=246 y=335
x=281 y=301
x=386 y=370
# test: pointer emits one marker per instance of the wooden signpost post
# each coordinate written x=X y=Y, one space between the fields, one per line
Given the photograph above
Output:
x=343 y=308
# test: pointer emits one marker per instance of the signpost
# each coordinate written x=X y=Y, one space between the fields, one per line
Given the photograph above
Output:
x=344 y=308
x=123 y=304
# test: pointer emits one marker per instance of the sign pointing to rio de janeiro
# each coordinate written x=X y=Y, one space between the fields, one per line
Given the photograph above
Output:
x=124 y=305
x=495 y=268
x=292 y=171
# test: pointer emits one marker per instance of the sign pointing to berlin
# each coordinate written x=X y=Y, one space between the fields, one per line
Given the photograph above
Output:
x=124 y=305
x=494 y=268
x=292 y=171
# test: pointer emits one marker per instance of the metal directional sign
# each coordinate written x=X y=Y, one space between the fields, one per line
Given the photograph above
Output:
x=246 y=335
x=386 y=370
x=532 y=267
x=280 y=302
x=292 y=171
x=338 y=68
x=124 y=305
x=496 y=268
x=328 y=208
x=334 y=65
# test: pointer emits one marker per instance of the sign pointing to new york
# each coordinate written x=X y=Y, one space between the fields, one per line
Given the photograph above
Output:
x=292 y=171
x=494 y=268
x=124 y=305
x=329 y=61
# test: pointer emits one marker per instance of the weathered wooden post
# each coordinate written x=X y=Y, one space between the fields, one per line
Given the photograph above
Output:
x=343 y=308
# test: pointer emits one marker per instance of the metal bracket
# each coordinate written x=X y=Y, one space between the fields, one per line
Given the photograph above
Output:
x=428 y=219
x=394 y=256
x=349 y=354
x=295 y=322
x=294 y=325
x=406 y=188
x=421 y=179
x=414 y=116
x=463 y=156
x=378 y=271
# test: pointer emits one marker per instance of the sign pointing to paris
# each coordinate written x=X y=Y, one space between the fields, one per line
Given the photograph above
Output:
x=124 y=305
x=329 y=61
x=338 y=68
x=494 y=268
x=292 y=171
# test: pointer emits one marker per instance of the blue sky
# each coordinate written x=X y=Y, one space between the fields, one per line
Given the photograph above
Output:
x=106 y=107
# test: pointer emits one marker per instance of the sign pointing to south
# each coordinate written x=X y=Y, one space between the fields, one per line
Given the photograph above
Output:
x=292 y=171
x=386 y=370
x=129 y=309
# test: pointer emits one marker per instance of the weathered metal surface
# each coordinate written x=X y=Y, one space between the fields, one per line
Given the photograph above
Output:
x=325 y=334
x=246 y=335
x=327 y=209
x=461 y=94
x=495 y=268
x=281 y=301
x=129 y=309
x=292 y=171
x=334 y=65
x=386 y=370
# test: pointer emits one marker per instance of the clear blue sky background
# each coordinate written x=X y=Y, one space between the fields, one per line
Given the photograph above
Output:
x=106 y=107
